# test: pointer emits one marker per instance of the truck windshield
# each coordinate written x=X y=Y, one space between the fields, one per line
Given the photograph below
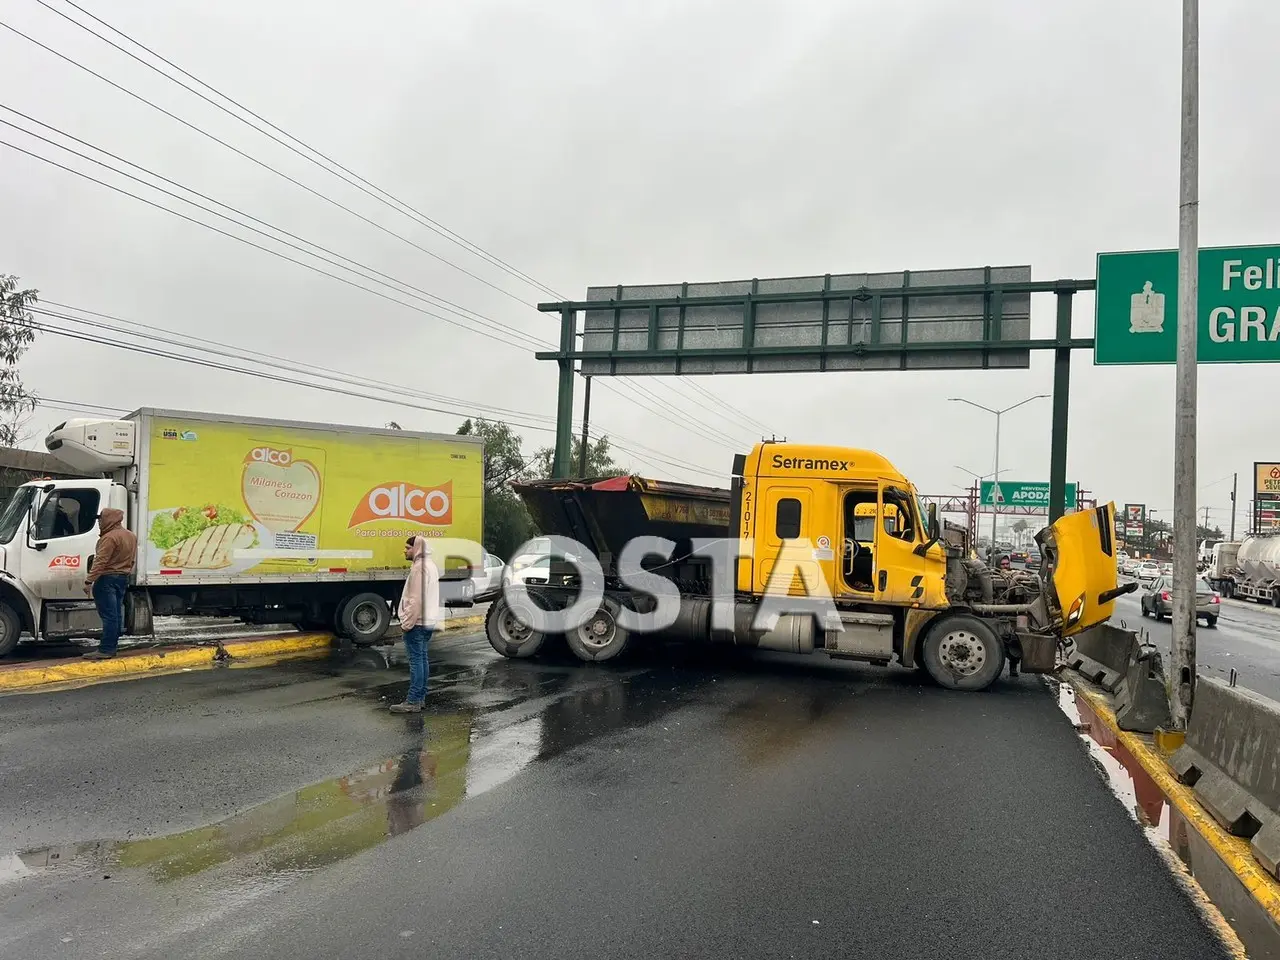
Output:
x=15 y=513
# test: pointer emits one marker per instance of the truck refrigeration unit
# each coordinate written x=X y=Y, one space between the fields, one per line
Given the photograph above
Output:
x=269 y=521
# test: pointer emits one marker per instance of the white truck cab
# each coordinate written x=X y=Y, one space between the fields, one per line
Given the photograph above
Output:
x=49 y=534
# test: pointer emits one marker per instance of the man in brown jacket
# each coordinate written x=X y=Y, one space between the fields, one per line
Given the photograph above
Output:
x=108 y=578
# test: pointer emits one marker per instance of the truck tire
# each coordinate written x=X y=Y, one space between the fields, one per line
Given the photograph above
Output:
x=364 y=618
x=10 y=629
x=600 y=637
x=962 y=652
x=508 y=635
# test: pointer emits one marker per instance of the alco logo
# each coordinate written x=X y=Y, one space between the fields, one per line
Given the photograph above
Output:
x=406 y=501
x=65 y=562
x=281 y=458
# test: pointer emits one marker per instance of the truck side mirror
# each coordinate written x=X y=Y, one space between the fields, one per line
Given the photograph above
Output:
x=935 y=533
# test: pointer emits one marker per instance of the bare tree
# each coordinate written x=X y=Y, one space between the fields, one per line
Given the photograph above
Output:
x=17 y=332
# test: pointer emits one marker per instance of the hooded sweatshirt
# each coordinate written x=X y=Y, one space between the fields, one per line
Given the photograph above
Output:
x=117 y=547
x=420 y=601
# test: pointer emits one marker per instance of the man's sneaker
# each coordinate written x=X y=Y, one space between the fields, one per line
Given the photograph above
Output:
x=99 y=655
x=406 y=707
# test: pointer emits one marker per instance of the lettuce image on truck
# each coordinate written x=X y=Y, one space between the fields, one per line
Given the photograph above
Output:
x=269 y=521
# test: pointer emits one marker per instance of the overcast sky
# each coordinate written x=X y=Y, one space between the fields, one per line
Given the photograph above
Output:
x=587 y=142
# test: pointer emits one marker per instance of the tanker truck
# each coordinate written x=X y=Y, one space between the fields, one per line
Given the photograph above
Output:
x=799 y=521
x=1249 y=569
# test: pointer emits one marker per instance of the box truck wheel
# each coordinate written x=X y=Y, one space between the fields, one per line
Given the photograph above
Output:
x=10 y=629
x=364 y=618
x=510 y=635
x=600 y=637
x=963 y=653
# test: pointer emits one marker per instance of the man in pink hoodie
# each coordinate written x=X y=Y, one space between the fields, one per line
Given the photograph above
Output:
x=419 y=616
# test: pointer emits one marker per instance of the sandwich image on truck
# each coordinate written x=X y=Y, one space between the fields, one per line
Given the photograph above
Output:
x=268 y=521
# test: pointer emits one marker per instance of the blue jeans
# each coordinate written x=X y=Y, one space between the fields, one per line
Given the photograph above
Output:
x=108 y=596
x=415 y=645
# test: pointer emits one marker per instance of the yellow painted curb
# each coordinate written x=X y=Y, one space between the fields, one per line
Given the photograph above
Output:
x=142 y=664
x=1233 y=851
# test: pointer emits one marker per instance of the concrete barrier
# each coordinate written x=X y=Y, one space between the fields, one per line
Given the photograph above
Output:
x=1142 y=699
x=1231 y=760
x=1102 y=655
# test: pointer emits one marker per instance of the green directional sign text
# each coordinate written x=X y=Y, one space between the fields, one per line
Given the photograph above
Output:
x=1009 y=493
x=1239 y=306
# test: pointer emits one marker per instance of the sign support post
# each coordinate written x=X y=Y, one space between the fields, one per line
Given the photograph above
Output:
x=1061 y=388
x=1184 y=434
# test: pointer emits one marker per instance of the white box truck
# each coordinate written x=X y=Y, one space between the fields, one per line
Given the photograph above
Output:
x=269 y=521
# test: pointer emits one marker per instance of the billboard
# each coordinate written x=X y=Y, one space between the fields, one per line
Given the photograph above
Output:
x=1135 y=520
x=225 y=498
x=1266 y=480
x=824 y=322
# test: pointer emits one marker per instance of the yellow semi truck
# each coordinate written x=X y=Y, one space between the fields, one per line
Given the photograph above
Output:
x=841 y=525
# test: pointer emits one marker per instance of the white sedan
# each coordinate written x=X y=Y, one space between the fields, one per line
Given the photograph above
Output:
x=1147 y=571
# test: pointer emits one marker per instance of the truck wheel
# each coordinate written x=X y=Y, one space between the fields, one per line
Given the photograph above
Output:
x=364 y=618
x=508 y=634
x=10 y=629
x=600 y=637
x=963 y=653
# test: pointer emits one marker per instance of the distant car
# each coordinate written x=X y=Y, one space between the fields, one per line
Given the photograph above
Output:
x=1019 y=556
x=487 y=578
x=1157 y=600
x=1130 y=566
x=1121 y=557
x=528 y=570
x=1147 y=570
x=1166 y=569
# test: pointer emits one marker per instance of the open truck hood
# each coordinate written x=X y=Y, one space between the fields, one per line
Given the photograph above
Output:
x=1080 y=568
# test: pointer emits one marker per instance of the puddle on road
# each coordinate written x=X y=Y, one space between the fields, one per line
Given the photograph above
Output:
x=1176 y=840
x=488 y=721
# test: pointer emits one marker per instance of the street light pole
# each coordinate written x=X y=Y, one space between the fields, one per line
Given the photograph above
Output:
x=1184 y=432
x=995 y=487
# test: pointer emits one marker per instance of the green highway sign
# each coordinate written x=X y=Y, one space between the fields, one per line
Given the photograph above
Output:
x=1238 y=316
x=1009 y=493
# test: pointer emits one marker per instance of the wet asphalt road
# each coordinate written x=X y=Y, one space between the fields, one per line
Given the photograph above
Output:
x=1247 y=638
x=670 y=806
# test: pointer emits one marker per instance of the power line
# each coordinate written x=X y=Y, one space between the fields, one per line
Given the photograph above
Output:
x=346 y=175
x=252 y=159
x=462 y=408
x=329 y=165
x=164 y=335
x=358 y=267
x=256 y=246
x=262 y=163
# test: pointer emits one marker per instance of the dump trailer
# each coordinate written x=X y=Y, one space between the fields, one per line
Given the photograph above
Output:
x=803 y=521
x=269 y=521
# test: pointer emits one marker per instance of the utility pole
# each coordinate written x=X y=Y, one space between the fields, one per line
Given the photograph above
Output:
x=586 y=421
x=1206 y=521
x=1184 y=425
x=1234 y=478
x=995 y=477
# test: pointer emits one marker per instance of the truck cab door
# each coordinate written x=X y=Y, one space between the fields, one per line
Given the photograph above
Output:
x=60 y=541
x=900 y=571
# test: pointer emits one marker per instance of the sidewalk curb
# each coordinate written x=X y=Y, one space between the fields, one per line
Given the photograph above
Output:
x=1232 y=851
x=132 y=666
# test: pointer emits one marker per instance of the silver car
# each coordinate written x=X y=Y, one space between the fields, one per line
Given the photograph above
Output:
x=1157 y=601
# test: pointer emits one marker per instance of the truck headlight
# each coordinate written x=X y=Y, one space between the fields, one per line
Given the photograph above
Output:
x=1076 y=611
